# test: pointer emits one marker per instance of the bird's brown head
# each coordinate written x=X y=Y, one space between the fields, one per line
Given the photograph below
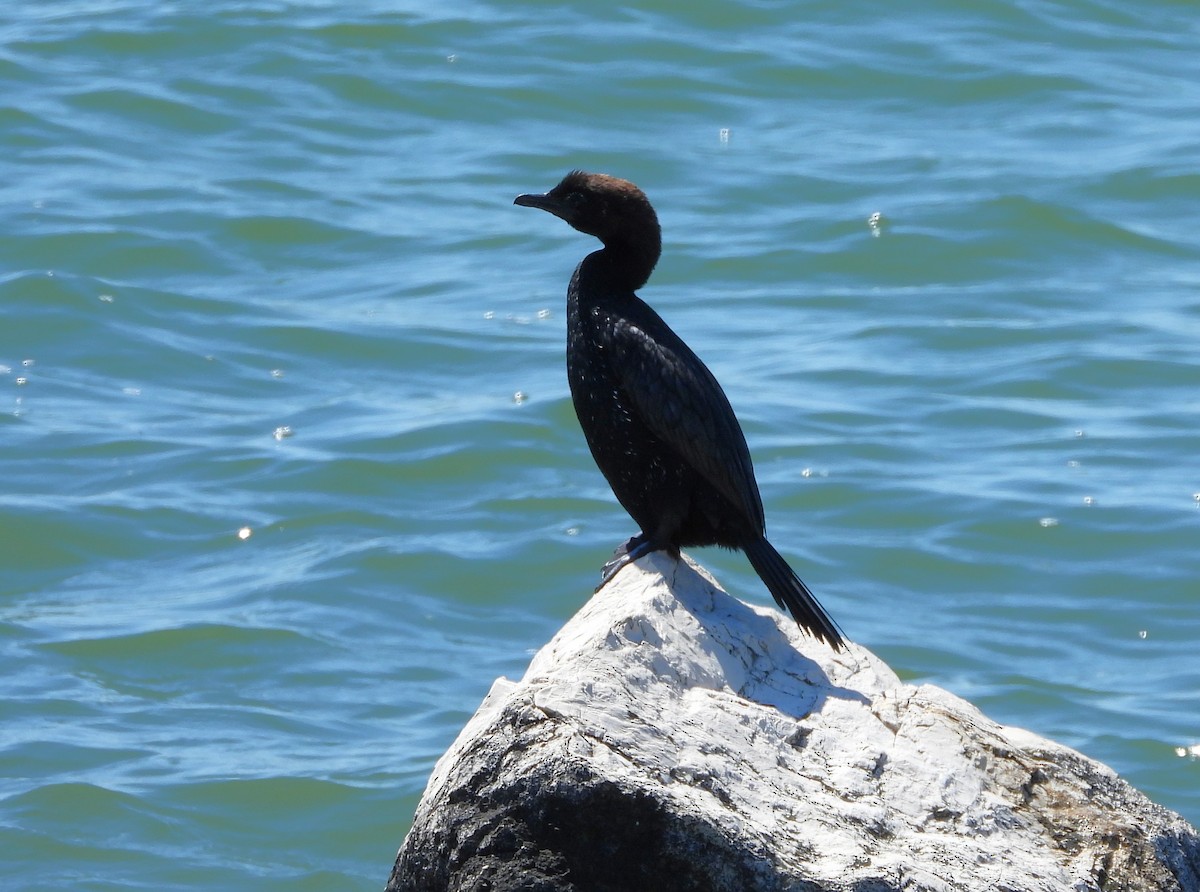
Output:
x=613 y=210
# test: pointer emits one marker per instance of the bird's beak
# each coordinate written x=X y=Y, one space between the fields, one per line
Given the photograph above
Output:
x=543 y=201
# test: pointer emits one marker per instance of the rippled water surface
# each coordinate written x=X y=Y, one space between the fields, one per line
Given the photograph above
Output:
x=290 y=473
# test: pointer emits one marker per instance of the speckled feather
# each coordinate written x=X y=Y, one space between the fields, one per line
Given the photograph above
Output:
x=679 y=400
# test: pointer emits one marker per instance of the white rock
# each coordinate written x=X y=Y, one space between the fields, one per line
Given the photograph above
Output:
x=671 y=737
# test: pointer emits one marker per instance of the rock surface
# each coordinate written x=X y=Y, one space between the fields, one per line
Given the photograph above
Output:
x=673 y=738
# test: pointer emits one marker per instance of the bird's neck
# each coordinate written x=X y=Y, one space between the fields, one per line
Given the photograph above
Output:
x=623 y=265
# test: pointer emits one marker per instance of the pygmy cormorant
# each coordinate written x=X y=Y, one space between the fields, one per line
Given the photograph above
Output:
x=658 y=424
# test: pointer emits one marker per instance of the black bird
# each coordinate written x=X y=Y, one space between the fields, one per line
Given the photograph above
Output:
x=658 y=424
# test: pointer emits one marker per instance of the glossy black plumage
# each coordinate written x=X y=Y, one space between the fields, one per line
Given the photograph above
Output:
x=658 y=424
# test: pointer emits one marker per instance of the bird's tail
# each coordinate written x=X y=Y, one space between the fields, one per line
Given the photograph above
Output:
x=790 y=593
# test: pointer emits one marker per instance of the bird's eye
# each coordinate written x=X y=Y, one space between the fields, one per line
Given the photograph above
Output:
x=575 y=199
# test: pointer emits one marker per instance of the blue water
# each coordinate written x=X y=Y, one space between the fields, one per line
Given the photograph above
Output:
x=290 y=473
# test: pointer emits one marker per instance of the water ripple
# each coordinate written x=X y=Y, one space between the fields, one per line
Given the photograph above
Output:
x=943 y=263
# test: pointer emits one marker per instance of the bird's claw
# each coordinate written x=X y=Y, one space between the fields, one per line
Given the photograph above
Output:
x=625 y=553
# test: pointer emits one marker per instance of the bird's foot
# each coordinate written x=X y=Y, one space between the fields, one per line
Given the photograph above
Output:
x=626 y=553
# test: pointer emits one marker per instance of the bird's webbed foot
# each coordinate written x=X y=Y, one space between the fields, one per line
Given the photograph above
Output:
x=626 y=553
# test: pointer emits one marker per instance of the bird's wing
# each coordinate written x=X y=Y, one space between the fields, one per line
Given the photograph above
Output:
x=678 y=399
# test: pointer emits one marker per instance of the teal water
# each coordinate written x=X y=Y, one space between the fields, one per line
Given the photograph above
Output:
x=273 y=516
